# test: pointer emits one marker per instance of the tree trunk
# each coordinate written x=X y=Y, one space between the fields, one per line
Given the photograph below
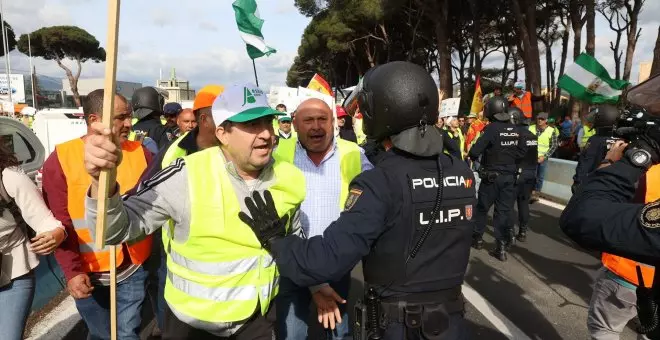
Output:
x=534 y=80
x=564 y=55
x=73 y=81
x=367 y=50
x=444 y=52
x=633 y=35
x=655 y=67
x=505 y=68
x=590 y=8
x=476 y=38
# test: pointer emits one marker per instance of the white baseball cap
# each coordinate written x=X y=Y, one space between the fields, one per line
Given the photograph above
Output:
x=241 y=103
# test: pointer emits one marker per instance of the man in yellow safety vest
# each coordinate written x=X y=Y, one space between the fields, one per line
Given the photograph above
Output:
x=220 y=278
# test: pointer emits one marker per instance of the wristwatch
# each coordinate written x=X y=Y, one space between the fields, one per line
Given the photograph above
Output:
x=639 y=157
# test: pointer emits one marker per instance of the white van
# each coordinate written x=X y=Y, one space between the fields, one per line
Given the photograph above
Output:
x=56 y=126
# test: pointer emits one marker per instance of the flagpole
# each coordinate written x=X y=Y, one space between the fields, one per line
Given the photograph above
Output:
x=254 y=66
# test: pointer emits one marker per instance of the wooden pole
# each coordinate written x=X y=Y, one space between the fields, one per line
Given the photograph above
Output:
x=104 y=178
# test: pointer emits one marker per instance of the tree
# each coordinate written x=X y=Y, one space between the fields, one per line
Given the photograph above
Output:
x=11 y=38
x=612 y=14
x=632 y=32
x=655 y=67
x=64 y=42
x=524 y=12
x=590 y=9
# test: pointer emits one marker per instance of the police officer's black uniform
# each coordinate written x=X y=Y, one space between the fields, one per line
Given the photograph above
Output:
x=603 y=118
x=600 y=217
x=501 y=151
x=147 y=108
x=388 y=211
x=526 y=178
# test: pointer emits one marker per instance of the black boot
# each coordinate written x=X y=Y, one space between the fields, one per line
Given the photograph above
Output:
x=500 y=251
x=510 y=239
x=522 y=233
x=477 y=241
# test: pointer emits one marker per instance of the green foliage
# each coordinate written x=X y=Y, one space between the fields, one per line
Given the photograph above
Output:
x=60 y=42
x=11 y=38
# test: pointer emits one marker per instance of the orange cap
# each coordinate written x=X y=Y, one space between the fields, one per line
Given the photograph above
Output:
x=206 y=96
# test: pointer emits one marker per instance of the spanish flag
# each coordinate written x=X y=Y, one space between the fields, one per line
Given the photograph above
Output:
x=319 y=84
x=477 y=99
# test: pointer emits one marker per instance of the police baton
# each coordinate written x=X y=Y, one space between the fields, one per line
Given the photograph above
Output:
x=104 y=178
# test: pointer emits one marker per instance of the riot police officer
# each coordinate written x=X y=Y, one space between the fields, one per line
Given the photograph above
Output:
x=408 y=219
x=500 y=153
x=147 y=108
x=526 y=175
x=603 y=118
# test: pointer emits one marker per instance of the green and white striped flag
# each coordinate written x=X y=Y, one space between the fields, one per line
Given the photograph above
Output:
x=589 y=81
x=249 y=25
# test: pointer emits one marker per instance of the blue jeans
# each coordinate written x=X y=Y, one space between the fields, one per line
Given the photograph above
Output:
x=95 y=310
x=540 y=174
x=16 y=299
x=292 y=307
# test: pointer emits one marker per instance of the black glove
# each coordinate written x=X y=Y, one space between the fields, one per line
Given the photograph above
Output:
x=265 y=222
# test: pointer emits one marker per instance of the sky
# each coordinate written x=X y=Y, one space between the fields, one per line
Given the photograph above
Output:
x=200 y=39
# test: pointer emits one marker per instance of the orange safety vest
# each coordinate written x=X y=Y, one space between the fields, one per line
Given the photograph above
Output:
x=524 y=104
x=71 y=157
x=624 y=267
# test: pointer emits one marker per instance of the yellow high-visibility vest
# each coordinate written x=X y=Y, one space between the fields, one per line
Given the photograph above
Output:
x=544 y=140
x=221 y=273
x=350 y=161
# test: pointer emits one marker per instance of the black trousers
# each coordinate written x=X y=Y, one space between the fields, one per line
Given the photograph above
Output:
x=258 y=327
x=526 y=184
x=502 y=193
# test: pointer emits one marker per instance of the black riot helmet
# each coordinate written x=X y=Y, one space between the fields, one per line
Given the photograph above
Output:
x=496 y=109
x=395 y=97
x=603 y=116
x=517 y=116
x=145 y=101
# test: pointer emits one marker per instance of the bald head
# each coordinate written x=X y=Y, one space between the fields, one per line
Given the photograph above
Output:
x=315 y=124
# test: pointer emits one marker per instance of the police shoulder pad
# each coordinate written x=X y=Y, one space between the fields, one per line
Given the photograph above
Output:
x=650 y=215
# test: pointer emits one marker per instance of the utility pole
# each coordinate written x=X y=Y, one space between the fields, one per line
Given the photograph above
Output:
x=32 y=75
x=5 y=45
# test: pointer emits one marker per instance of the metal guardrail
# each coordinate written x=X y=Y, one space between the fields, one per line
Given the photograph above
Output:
x=558 y=179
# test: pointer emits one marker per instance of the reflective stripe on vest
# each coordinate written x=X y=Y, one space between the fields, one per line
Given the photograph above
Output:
x=626 y=268
x=524 y=104
x=544 y=139
x=70 y=155
x=349 y=158
x=221 y=273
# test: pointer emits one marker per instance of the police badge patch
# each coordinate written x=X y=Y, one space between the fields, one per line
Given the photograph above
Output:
x=468 y=212
x=650 y=216
x=353 y=196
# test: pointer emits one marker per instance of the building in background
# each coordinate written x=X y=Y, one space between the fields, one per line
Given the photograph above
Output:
x=644 y=71
x=178 y=89
x=87 y=85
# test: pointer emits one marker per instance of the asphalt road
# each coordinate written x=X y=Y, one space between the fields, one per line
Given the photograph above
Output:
x=541 y=292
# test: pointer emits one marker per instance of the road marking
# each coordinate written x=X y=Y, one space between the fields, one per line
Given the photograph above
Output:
x=552 y=204
x=495 y=317
x=58 y=323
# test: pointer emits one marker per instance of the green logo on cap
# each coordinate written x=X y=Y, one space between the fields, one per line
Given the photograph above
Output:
x=248 y=96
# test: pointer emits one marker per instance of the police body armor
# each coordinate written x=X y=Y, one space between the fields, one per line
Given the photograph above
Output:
x=503 y=148
x=431 y=277
x=530 y=160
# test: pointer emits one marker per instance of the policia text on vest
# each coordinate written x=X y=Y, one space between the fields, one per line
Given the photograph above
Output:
x=218 y=275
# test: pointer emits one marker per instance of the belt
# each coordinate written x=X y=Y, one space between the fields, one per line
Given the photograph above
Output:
x=396 y=311
x=438 y=296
